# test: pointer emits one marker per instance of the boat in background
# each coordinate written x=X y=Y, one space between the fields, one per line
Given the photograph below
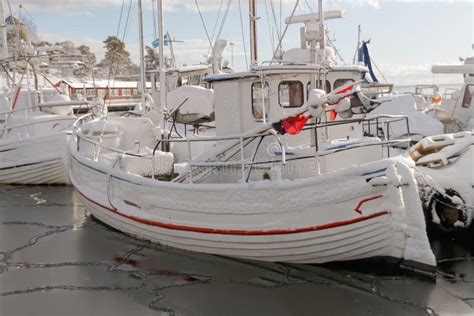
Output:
x=455 y=108
x=34 y=135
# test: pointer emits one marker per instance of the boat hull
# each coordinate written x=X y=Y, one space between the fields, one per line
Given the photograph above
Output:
x=296 y=221
x=35 y=161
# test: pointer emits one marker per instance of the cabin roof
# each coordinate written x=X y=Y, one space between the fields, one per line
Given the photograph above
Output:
x=101 y=84
x=282 y=69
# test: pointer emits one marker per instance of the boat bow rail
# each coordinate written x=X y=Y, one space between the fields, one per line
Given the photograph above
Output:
x=240 y=153
x=25 y=112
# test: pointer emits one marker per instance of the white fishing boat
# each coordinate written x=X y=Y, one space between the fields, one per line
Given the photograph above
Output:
x=252 y=191
x=34 y=137
x=454 y=108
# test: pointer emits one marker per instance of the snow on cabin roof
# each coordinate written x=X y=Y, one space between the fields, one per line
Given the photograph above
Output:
x=102 y=84
x=281 y=69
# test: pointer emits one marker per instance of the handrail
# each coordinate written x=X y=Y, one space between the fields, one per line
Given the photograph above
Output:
x=36 y=123
x=46 y=105
x=241 y=142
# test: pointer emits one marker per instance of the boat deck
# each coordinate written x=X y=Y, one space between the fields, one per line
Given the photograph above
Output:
x=56 y=260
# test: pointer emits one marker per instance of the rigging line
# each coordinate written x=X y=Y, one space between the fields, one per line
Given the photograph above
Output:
x=243 y=36
x=270 y=31
x=120 y=19
x=9 y=7
x=114 y=63
x=217 y=20
x=224 y=18
x=309 y=7
x=284 y=32
x=129 y=22
x=274 y=19
x=154 y=6
x=127 y=19
x=380 y=71
x=203 y=24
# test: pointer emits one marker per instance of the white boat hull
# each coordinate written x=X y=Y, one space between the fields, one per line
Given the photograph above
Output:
x=311 y=220
x=35 y=161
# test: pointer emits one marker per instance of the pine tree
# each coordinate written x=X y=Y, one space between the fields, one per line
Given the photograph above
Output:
x=117 y=60
x=152 y=60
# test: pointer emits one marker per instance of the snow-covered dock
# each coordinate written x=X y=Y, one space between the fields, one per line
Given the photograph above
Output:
x=55 y=260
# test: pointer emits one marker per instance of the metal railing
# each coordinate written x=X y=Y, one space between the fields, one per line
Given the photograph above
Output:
x=233 y=154
x=5 y=128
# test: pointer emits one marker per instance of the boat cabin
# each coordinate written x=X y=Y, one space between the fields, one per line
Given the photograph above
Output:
x=241 y=103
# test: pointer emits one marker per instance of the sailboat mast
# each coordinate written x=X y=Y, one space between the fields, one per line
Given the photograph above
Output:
x=322 y=43
x=253 y=32
x=161 y=40
x=142 y=56
x=3 y=33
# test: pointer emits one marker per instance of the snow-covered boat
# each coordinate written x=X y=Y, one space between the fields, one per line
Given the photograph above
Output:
x=34 y=137
x=267 y=186
x=445 y=165
x=455 y=108
x=244 y=200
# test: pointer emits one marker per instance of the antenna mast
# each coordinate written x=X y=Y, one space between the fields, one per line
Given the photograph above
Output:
x=253 y=32
x=3 y=33
x=142 y=56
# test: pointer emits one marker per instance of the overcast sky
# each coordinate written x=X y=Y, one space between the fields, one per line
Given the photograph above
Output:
x=406 y=36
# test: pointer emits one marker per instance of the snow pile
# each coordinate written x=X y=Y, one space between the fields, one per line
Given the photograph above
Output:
x=411 y=215
x=420 y=123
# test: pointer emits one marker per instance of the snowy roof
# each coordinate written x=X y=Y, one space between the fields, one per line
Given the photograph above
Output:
x=281 y=69
x=77 y=84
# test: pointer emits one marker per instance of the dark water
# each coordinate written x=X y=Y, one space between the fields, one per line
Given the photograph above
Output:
x=56 y=260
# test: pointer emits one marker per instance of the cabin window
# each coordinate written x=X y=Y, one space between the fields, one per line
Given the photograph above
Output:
x=260 y=96
x=114 y=92
x=291 y=94
x=126 y=92
x=101 y=93
x=90 y=92
x=468 y=96
x=340 y=82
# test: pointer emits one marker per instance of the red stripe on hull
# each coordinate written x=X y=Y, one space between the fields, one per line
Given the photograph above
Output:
x=235 y=232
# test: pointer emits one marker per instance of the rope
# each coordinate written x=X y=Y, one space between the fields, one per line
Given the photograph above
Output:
x=120 y=19
x=243 y=36
x=275 y=19
x=223 y=20
x=217 y=20
x=270 y=31
x=284 y=32
x=203 y=24
x=378 y=69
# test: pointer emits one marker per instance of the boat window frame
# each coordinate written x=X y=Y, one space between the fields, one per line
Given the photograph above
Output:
x=266 y=98
x=468 y=93
x=301 y=89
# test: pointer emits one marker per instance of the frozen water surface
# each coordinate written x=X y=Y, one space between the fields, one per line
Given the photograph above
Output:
x=56 y=260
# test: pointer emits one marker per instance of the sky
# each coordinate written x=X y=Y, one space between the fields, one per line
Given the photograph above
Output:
x=407 y=36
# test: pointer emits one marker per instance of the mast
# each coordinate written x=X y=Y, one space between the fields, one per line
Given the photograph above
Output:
x=322 y=43
x=162 y=66
x=142 y=56
x=3 y=33
x=253 y=32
